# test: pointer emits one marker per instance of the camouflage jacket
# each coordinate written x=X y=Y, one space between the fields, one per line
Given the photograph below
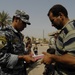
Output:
x=11 y=45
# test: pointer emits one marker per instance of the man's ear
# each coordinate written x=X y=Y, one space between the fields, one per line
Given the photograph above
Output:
x=60 y=15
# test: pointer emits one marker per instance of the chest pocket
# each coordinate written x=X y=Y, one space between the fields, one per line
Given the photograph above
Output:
x=15 y=43
x=18 y=46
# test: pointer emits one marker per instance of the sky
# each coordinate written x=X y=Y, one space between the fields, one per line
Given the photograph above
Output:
x=37 y=9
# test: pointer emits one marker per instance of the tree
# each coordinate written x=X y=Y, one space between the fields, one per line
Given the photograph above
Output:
x=5 y=19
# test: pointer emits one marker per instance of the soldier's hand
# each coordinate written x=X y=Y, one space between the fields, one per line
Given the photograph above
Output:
x=28 y=58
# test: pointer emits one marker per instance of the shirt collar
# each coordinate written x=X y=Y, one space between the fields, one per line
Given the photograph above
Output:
x=14 y=29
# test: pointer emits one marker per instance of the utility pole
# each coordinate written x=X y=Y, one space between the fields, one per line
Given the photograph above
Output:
x=43 y=35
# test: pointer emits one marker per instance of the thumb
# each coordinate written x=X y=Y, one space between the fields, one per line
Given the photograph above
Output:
x=45 y=53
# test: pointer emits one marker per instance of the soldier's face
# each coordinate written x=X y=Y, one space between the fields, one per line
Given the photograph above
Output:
x=21 y=25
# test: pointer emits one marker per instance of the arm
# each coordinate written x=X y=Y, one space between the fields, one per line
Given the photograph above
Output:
x=66 y=58
x=69 y=47
x=10 y=60
x=26 y=58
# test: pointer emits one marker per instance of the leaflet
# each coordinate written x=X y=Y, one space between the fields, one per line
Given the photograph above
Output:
x=37 y=57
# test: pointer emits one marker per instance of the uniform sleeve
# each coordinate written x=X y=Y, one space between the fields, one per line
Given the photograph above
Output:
x=12 y=60
x=7 y=59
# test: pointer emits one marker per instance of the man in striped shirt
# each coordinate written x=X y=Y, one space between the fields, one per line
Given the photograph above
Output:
x=64 y=56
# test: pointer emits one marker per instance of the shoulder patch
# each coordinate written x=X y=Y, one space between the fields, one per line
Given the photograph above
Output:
x=3 y=41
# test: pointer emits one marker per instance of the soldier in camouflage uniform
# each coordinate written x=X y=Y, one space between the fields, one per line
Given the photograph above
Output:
x=11 y=46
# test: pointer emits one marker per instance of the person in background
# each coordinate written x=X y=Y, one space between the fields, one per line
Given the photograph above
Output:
x=28 y=52
x=29 y=40
x=12 y=53
x=28 y=48
x=35 y=49
x=64 y=56
x=52 y=40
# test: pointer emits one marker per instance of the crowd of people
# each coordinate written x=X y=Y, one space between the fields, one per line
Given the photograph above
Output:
x=59 y=58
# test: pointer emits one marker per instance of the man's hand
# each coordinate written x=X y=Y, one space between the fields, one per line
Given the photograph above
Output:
x=47 y=58
x=65 y=58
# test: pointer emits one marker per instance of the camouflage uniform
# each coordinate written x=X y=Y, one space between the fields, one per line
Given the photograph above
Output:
x=11 y=45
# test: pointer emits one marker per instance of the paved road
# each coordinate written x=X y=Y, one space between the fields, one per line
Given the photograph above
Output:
x=37 y=68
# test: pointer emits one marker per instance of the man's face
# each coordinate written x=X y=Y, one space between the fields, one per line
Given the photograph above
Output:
x=20 y=25
x=56 y=21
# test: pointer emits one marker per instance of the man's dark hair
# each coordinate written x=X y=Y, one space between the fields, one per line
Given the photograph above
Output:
x=56 y=9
